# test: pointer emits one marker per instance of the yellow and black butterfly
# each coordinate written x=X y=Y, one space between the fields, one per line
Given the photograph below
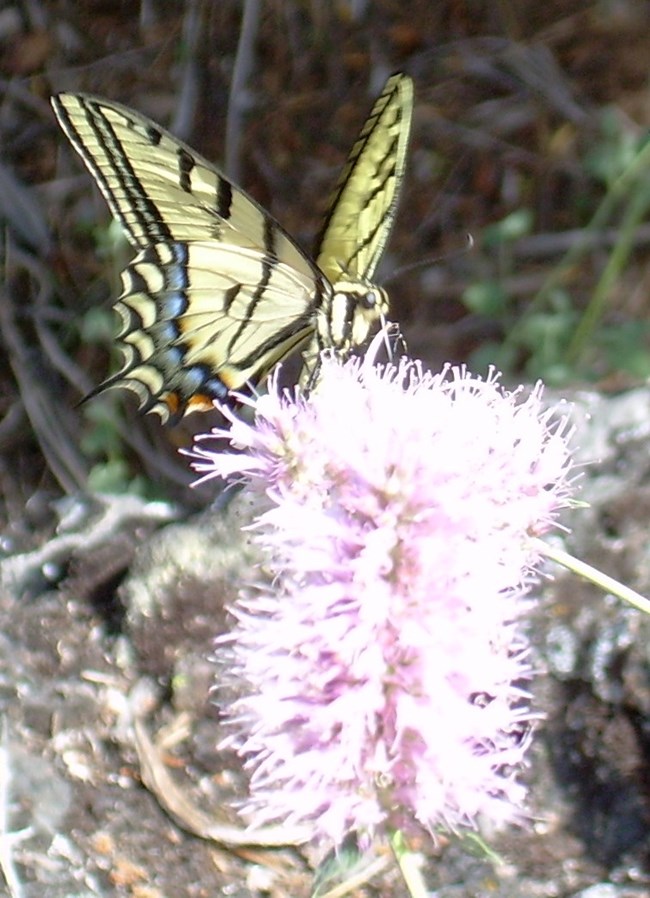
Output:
x=218 y=292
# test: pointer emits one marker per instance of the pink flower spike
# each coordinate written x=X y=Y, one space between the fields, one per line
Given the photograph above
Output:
x=383 y=666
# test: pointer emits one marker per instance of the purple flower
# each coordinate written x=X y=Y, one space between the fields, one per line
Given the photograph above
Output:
x=382 y=660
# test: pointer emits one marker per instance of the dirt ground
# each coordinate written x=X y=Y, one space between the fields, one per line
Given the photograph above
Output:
x=110 y=782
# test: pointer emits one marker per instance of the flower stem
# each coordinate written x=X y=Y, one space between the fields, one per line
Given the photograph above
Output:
x=607 y=584
x=409 y=866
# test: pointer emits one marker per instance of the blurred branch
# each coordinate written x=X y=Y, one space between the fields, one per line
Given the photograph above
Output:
x=23 y=213
x=55 y=430
x=239 y=100
x=188 y=95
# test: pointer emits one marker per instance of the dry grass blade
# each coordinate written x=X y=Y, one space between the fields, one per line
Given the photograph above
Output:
x=357 y=880
x=191 y=818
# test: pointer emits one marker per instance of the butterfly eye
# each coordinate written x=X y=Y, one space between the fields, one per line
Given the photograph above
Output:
x=375 y=301
x=369 y=300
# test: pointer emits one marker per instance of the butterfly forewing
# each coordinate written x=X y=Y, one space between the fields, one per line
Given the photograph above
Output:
x=162 y=191
x=218 y=291
x=363 y=206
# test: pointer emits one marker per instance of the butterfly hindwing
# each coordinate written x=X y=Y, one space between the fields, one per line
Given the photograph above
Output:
x=196 y=351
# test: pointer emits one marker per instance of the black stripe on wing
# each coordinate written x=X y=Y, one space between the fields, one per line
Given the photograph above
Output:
x=106 y=160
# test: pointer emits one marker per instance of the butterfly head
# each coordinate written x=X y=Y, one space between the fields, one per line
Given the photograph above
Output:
x=355 y=308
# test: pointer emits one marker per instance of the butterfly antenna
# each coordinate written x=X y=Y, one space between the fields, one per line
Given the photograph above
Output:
x=430 y=260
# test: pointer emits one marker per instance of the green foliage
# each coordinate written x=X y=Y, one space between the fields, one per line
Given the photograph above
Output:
x=97 y=326
x=614 y=152
x=338 y=866
x=487 y=298
x=116 y=478
x=103 y=443
x=557 y=335
x=514 y=226
x=625 y=348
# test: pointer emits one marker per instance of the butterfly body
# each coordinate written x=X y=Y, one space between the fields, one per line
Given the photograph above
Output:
x=218 y=291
